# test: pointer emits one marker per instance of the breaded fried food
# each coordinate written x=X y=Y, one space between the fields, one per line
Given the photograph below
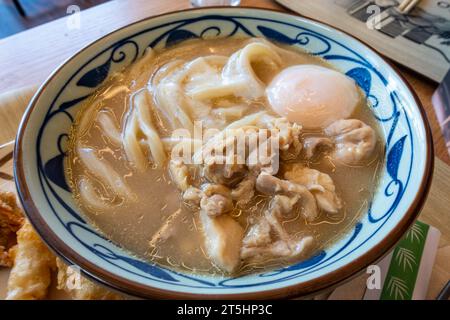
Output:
x=11 y=219
x=30 y=275
x=80 y=288
x=5 y=258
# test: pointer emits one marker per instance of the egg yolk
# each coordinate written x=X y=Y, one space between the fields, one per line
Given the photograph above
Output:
x=312 y=96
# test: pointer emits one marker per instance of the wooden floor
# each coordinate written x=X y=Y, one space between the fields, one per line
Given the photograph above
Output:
x=37 y=12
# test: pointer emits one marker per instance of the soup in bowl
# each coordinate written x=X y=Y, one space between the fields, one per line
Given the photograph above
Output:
x=223 y=152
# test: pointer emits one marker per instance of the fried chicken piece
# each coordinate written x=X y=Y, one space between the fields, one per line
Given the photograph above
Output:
x=80 y=288
x=11 y=219
x=5 y=257
x=314 y=146
x=30 y=276
x=32 y=262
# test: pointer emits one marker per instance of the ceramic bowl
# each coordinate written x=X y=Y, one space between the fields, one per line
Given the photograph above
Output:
x=42 y=141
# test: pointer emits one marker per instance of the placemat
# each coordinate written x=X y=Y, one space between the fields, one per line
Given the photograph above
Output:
x=417 y=40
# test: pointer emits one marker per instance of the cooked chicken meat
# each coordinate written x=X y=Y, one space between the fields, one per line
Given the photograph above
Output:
x=271 y=185
x=286 y=249
x=217 y=170
x=81 y=288
x=167 y=230
x=179 y=173
x=192 y=196
x=318 y=183
x=244 y=191
x=257 y=161
x=278 y=207
x=216 y=205
x=30 y=276
x=210 y=189
x=258 y=234
x=11 y=219
x=313 y=146
x=281 y=205
x=289 y=133
x=268 y=238
x=223 y=240
x=354 y=140
x=263 y=150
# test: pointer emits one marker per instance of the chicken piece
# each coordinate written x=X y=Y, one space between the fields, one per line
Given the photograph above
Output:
x=354 y=140
x=281 y=205
x=315 y=145
x=259 y=242
x=210 y=189
x=266 y=157
x=268 y=184
x=279 y=249
x=281 y=141
x=216 y=205
x=258 y=234
x=219 y=160
x=180 y=174
x=167 y=229
x=263 y=150
x=216 y=199
x=288 y=134
x=81 y=288
x=30 y=275
x=219 y=170
x=318 y=183
x=278 y=207
x=223 y=240
x=244 y=191
x=11 y=216
x=192 y=196
x=11 y=219
x=6 y=259
x=230 y=155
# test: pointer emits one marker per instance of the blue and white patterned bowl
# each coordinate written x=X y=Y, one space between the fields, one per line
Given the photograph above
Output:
x=42 y=139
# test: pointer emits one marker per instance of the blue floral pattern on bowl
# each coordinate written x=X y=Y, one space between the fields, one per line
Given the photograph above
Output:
x=45 y=139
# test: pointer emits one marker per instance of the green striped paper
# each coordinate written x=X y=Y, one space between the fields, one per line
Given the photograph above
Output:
x=404 y=266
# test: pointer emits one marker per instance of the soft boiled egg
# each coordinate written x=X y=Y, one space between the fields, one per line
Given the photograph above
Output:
x=312 y=96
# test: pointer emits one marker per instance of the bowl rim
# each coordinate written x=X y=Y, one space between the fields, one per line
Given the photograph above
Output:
x=307 y=288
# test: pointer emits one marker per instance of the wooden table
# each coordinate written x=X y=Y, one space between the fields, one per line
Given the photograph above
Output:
x=28 y=58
